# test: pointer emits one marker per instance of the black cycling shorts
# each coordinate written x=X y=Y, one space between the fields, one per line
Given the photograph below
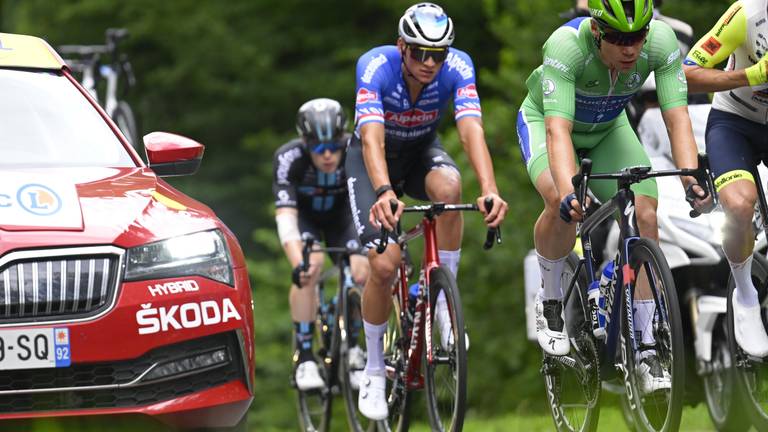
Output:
x=734 y=146
x=335 y=228
x=407 y=168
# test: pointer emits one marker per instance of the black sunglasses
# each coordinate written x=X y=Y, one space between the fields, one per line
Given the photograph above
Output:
x=422 y=53
x=623 y=39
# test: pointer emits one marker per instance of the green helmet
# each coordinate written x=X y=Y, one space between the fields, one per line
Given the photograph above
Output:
x=625 y=16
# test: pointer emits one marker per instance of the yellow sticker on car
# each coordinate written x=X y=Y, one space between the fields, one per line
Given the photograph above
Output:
x=168 y=202
x=27 y=52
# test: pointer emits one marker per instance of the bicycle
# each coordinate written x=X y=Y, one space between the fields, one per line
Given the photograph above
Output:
x=90 y=65
x=408 y=341
x=751 y=373
x=338 y=321
x=574 y=381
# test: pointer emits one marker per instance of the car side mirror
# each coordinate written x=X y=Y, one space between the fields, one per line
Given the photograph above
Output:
x=172 y=155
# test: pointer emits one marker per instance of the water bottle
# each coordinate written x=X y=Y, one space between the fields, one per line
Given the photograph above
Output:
x=606 y=279
x=593 y=296
x=413 y=293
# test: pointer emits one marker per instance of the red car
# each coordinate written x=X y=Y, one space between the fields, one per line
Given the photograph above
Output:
x=118 y=293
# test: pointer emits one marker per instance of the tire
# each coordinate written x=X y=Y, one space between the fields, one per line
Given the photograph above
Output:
x=445 y=378
x=398 y=397
x=660 y=410
x=573 y=386
x=751 y=376
x=126 y=122
x=724 y=400
x=351 y=311
x=315 y=406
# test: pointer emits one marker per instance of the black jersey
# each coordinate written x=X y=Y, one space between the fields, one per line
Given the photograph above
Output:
x=297 y=183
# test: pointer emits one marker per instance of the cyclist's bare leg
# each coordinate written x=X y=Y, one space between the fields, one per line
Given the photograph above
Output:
x=377 y=294
x=738 y=200
x=303 y=301
x=444 y=185
x=553 y=237
x=359 y=266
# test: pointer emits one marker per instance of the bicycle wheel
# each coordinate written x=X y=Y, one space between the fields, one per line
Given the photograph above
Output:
x=350 y=315
x=658 y=410
x=396 y=341
x=751 y=374
x=724 y=401
x=126 y=122
x=446 y=376
x=315 y=405
x=572 y=382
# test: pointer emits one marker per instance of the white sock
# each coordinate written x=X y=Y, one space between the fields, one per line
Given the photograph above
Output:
x=374 y=340
x=642 y=317
x=451 y=260
x=746 y=293
x=551 y=272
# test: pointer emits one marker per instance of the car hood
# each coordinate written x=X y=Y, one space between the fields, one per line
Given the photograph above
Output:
x=125 y=207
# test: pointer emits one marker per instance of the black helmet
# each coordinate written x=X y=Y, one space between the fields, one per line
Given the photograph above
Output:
x=321 y=121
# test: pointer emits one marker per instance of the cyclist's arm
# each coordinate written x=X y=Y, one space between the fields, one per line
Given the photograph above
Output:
x=712 y=49
x=560 y=153
x=288 y=229
x=472 y=137
x=372 y=136
x=684 y=150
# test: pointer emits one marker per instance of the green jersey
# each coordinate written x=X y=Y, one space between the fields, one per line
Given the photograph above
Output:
x=575 y=84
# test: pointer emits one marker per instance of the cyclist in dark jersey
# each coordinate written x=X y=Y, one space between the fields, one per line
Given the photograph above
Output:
x=311 y=197
x=400 y=92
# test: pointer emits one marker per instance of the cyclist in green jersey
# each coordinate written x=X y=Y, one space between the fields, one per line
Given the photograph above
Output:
x=592 y=67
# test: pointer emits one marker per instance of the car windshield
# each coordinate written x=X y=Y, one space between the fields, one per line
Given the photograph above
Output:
x=46 y=122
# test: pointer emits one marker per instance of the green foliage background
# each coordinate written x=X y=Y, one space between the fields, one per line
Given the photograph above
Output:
x=231 y=74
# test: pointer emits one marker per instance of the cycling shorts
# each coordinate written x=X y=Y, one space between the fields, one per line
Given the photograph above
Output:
x=610 y=149
x=407 y=167
x=734 y=146
x=335 y=228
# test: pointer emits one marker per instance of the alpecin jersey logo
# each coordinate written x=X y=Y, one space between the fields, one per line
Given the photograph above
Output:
x=415 y=117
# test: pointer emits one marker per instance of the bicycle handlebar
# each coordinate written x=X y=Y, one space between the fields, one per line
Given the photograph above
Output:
x=434 y=209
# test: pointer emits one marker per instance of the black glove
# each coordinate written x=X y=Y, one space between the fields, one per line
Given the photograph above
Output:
x=296 y=274
x=566 y=207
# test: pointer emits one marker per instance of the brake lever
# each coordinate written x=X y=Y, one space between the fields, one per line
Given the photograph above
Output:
x=494 y=234
x=383 y=237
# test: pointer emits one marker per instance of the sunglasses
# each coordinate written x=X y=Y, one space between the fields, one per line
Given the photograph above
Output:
x=422 y=53
x=623 y=39
x=321 y=148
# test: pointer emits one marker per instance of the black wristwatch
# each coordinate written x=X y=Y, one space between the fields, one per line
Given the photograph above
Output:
x=381 y=190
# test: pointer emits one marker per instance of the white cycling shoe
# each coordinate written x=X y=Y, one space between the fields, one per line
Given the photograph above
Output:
x=550 y=327
x=443 y=319
x=651 y=376
x=356 y=362
x=308 y=377
x=372 y=400
x=748 y=326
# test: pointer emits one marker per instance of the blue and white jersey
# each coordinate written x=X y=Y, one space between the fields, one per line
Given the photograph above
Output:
x=382 y=94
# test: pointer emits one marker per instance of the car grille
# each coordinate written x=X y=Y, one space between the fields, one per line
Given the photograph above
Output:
x=58 y=283
x=67 y=388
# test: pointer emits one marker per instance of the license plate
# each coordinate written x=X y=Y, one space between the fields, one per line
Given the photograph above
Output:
x=34 y=348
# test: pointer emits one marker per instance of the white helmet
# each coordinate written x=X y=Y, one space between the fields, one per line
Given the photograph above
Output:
x=426 y=24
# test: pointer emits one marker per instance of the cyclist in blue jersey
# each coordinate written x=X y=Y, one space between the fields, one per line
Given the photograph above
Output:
x=311 y=197
x=400 y=92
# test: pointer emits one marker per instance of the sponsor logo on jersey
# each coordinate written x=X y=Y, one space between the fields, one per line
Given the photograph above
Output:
x=760 y=22
x=455 y=62
x=185 y=316
x=428 y=101
x=364 y=96
x=547 y=86
x=673 y=56
x=284 y=162
x=469 y=92
x=681 y=77
x=555 y=63
x=727 y=21
x=699 y=57
x=592 y=83
x=711 y=46
x=412 y=118
x=372 y=67
x=596 y=12
x=633 y=81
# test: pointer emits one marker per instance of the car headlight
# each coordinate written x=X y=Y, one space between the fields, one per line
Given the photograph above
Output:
x=200 y=254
